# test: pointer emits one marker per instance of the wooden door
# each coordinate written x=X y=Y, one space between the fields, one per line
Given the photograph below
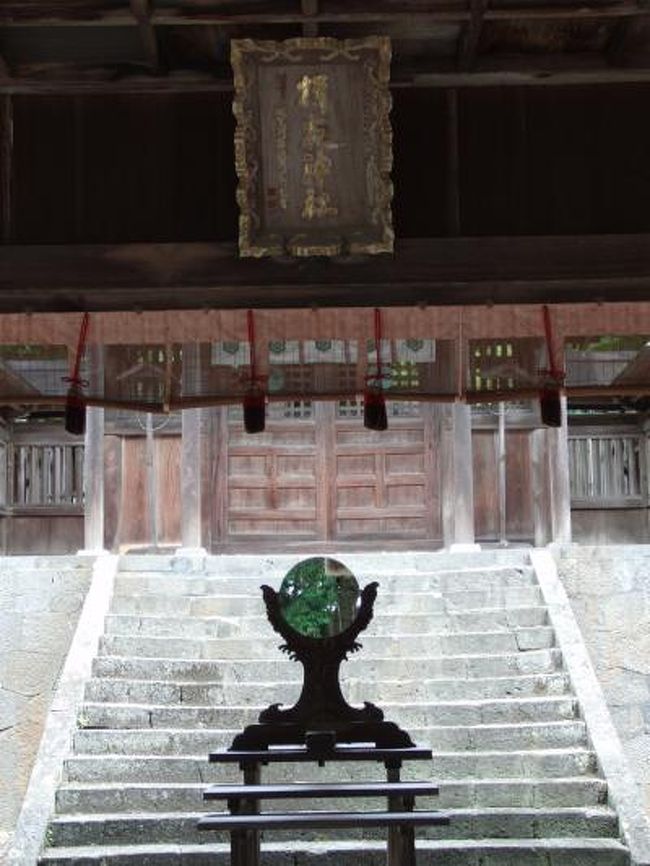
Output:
x=384 y=481
x=273 y=489
x=317 y=475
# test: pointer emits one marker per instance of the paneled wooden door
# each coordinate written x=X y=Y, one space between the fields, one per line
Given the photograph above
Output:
x=317 y=475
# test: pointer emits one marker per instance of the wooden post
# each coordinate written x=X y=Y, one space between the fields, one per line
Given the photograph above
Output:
x=325 y=421
x=152 y=483
x=215 y=498
x=94 y=481
x=558 y=473
x=457 y=475
x=501 y=474
x=94 y=461
x=541 y=487
x=191 y=463
x=252 y=776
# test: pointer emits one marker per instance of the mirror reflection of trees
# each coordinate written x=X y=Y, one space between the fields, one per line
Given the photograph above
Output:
x=319 y=597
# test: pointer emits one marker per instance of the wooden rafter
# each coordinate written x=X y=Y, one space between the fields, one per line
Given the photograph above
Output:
x=630 y=40
x=141 y=10
x=309 y=11
x=523 y=270
x=6 y=168
x=471 y=35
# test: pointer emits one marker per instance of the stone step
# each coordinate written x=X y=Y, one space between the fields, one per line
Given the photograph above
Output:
x=398 y=580
x=447 y=766
x=121 y=691
x=372 y=670
x=423 y=646
x=483 y=852
x=501 y=619
x=242 y=604
x=178 y=741
x=154 y=797
x=180 y=827
x=410 y=715
x=243 y=564
x=51 y=563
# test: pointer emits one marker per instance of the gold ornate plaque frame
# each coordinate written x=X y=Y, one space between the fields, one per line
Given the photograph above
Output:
x=313 y=146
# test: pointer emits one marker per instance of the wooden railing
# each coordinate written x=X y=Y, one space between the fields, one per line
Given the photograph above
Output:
x=608 y=470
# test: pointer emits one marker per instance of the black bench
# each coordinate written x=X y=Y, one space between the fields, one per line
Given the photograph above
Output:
x=244 y=820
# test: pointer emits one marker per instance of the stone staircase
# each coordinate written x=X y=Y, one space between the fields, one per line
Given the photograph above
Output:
x=460 y=653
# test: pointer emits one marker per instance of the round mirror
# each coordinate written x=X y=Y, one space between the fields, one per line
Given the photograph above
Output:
x=319 y=597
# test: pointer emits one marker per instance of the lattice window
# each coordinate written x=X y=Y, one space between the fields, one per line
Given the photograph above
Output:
x=30 y=368
x=349 y=409
x=346 y=409
x=503 y=365
x=295 y=410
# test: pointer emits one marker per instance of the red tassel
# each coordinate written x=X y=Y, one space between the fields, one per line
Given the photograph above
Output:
x=550 y=405
x=75 y=411
x=254 y=410
x=374 y=410
x=255 y=398
x=550 y=402
x=374 y=402
x=75 y=405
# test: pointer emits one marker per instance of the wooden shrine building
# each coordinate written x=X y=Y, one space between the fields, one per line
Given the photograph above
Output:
x=507 y=241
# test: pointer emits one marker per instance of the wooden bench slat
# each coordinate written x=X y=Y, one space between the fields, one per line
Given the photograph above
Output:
x=340 y=753
x=321 y=789
x=319 y=820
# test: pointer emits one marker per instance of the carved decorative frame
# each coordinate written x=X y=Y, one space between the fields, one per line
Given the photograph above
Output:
x=372 y=56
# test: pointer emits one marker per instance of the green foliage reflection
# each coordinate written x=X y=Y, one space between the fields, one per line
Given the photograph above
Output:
x=319 y=597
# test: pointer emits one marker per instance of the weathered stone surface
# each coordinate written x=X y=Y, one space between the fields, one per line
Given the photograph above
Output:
x=609 y=589
x=39 y=602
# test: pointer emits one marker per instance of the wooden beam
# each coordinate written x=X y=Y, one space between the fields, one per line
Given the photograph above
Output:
x=75 y=13
x=530 y=71
x=440 y=271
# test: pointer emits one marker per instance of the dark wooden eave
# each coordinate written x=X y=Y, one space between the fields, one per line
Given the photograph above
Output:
x=107 y=46
x=433 y=271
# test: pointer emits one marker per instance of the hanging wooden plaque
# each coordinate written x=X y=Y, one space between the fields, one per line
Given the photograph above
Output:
x=313 y=146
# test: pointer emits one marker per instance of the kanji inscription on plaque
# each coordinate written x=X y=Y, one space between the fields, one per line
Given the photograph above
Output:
x=313 y=146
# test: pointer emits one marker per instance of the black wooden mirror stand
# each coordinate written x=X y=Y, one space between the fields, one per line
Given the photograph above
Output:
x=321 y=718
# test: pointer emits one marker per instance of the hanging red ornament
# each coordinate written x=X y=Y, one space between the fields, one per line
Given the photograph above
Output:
x=550 y=395
x=254 y=410
x=75 y=403
x=374 y=402
x=374 y=410
x=254 y=403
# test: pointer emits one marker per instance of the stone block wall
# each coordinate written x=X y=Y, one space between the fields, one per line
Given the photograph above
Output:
x=40 y=602
x=609 y=588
